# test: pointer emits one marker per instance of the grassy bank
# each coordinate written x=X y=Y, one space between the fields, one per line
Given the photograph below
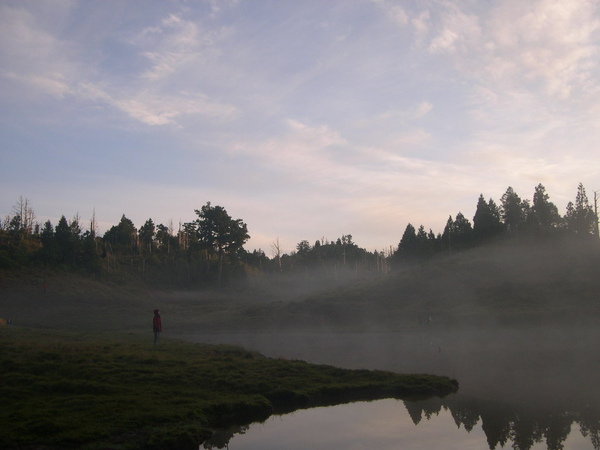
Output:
x=77 y=390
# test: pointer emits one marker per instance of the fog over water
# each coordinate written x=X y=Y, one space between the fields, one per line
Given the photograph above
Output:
x=523 y=384
x=514 y=324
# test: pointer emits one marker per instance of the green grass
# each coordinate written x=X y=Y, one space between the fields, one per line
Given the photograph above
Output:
x=62 y=390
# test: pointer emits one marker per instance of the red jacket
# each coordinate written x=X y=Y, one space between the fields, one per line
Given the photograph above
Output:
x=156 y=322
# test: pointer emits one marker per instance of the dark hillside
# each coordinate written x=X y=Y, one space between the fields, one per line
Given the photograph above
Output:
x=65 y=300
x=505 y=284
x=508 y=283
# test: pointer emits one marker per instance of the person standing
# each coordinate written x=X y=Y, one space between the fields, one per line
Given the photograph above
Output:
x=156 y=325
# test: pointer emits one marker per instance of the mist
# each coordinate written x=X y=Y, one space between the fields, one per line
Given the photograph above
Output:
x=514 y=324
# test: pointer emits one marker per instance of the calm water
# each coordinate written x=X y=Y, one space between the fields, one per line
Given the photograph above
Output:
x=528 y=388
x=383 y=424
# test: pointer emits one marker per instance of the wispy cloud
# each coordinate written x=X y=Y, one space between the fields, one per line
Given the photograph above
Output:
x=302 y=152
x=551 y=42
x=393 y=11
x=177 y=45
x=38 y=59
x=303 y=118
x=32 y=55
x=546 y=43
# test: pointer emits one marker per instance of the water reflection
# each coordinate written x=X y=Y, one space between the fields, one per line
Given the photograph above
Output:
x=522 y=427
x=390 y=424
x=525 y=388
x=381 y=424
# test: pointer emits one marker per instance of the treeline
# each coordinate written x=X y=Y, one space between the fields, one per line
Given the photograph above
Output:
x=206 y=251
x=210 y=249
x=512 y=218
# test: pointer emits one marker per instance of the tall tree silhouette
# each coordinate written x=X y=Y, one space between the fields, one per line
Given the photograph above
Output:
x=219 y=234
x=580 y=218
x=146 y=233
x=544 y=213
x=513 y=211
x=122 y=236
x=407 y=248
x=486 y=222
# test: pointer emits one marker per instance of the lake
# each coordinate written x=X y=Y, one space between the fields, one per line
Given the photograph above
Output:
x=523 y=387
x=382 y=424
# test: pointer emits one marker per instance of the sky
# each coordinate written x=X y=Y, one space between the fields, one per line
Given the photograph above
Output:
x=306 y=119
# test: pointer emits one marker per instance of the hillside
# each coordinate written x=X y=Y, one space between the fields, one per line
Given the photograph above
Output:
x=510 y=283
x=506 y=283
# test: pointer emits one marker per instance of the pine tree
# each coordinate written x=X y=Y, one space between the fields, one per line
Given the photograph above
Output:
x=513 y=211
x=407 y=248
x=544 y=213
x=580 y=218
x=122 y=236
x=146 y=233
x=49 y=247
x=486 y=222
x=62 y=236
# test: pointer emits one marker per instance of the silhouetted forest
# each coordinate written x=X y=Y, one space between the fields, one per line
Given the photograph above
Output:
x=512 y=218
x=209 y=251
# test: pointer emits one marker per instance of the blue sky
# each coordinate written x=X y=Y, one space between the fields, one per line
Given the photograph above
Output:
x=306 y=119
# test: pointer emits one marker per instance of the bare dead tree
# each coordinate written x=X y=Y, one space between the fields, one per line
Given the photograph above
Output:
x=26 y=215
x=596 y=213
x=276 y=251
x=170 y=233
x=94 y=229
x=94 y=224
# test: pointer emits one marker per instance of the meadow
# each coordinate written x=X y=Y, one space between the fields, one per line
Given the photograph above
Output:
x=95 y=391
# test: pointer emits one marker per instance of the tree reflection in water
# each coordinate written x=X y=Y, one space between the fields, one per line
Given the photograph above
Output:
x=503 y=425
x=523 y=427
x=522 y=385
